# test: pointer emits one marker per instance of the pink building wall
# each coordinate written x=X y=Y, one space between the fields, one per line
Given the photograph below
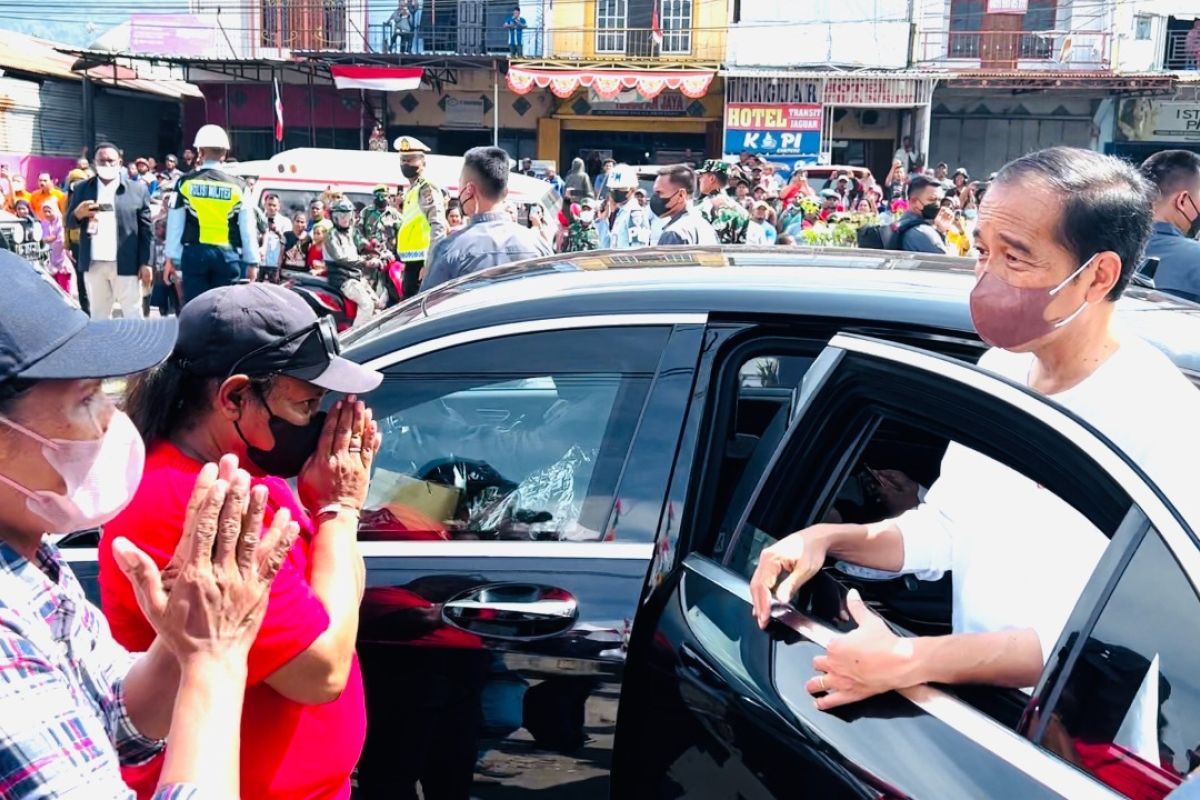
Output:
x=30 y=166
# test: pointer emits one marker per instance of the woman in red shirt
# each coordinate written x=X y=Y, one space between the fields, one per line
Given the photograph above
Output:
x=247 y=376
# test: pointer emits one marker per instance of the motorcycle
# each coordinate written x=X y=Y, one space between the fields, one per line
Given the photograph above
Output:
x=383 y=270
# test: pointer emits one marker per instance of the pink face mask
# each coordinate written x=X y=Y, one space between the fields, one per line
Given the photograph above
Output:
x=1008 y=316
x=101 y=475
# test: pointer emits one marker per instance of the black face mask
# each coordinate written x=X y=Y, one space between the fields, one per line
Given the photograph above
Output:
x=930 y=211
x=1194 y=229
x=294 y=444
x=381 y=202
x=658 y=205
x=619 y=196
x=410 y=171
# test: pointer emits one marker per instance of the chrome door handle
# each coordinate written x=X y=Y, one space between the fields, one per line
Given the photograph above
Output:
x=517 y=611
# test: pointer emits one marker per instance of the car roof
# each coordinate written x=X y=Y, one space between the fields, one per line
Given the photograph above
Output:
x=886 y=289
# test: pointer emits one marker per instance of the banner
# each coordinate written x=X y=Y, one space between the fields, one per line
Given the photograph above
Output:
x=792 y=130
x=1141 y=119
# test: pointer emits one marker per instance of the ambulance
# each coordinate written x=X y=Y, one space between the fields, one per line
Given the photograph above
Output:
x=300 y=176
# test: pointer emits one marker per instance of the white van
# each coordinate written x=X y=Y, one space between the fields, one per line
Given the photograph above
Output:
x=299 y=176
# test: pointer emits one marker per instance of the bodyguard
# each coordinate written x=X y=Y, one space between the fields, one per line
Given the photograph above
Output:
x=492 y=238
x=423 y=220
x=211 y=230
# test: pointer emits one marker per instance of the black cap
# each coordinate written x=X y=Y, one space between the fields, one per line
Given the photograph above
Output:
x=45 y=335
x=260 y=329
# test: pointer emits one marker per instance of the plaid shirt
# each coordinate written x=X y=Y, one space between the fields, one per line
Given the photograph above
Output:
x=64 y=728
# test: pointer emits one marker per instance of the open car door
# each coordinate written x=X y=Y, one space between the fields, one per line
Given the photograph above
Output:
x=713 y=706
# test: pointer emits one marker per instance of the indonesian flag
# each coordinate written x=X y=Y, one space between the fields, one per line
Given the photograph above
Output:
x=383 y=79
x=278 y=112
x=656 y=26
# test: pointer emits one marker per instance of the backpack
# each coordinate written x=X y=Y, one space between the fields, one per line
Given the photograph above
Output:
x=885 y=237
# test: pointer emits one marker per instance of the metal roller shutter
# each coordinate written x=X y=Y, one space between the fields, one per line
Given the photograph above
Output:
x=134 y=123
x=20 y=103
x=60 y=124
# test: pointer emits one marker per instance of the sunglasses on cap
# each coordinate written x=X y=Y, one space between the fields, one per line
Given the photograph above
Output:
x=324 y=336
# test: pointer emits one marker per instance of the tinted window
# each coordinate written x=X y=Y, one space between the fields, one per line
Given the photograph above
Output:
x=1130 y=710
x=517 y=438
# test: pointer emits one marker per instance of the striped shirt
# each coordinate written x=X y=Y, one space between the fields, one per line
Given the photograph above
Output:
x=64 y=728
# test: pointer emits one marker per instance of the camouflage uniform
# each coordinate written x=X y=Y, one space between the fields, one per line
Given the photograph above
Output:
x=382 y=226
x=581 y=238
x=727 y=217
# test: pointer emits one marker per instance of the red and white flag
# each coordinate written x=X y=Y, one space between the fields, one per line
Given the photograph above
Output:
x=383 y=79
x=278 y=112
x=656 y=26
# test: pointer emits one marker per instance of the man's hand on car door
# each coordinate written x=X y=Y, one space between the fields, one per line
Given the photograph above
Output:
x=869 y=660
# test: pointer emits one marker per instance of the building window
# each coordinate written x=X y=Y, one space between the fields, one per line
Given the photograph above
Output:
x=612 y=16
x=676 y=26
x=966 y=22
x=1141 y=27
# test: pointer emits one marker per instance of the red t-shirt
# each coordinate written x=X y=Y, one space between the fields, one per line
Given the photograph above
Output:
x=289 y=750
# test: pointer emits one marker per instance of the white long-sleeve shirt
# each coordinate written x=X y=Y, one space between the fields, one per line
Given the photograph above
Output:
x=1020 y=556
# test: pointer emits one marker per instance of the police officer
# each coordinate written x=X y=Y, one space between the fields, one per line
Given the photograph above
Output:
x=626 y=229
x=729 y=219
x=423 y=218
x=211 y=228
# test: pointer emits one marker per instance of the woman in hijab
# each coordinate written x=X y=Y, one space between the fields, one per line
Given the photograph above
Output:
x=578 y=184
x=74 y=705
x=53 y=235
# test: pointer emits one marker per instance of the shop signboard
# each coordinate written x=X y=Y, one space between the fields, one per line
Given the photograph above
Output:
x=631 y=103
x=791 y=130
x=171 y=34
x=1141 y=119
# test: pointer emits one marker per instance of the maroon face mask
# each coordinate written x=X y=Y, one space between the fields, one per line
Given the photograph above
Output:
x=1008 y=316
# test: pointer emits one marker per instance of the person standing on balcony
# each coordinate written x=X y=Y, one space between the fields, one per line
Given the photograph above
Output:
x=402 y=27
x=515 y=24
x=416 y=8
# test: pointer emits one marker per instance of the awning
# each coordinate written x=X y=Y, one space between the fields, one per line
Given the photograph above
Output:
x=608 y=83
x=383 y=79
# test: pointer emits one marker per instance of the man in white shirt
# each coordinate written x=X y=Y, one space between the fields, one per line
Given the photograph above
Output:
x=1059 y=234
x=906 y=155
x=112 y=214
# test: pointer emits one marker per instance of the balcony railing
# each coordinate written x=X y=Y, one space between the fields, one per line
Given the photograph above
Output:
x=1087 y=50
x=622 y=44
x=1183 y=50
x=450 y=40
x=307 y=25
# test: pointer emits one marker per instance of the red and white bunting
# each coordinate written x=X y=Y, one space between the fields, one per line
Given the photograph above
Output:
x=609 y=83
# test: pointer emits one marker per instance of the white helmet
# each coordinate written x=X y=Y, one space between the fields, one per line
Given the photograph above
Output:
x=211 y=137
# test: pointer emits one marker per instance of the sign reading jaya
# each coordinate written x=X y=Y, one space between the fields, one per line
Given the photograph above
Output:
x=792 y=130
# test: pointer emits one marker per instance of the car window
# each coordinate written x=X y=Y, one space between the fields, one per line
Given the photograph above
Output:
x=1129 y=712
x=517 y=438
x=1025 y=553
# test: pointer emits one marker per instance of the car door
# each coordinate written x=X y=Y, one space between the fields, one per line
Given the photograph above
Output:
x=507 y=535
x=712 y=703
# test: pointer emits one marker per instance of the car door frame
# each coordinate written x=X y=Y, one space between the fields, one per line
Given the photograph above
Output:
x=1022 y=753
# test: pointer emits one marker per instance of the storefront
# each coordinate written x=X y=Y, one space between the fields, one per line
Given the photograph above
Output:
x=825 y=117
x=634 y=116
x=1142 y=126
x=463 y=115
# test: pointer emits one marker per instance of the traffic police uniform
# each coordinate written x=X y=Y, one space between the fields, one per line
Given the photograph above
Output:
x=211 y=230
x=422 y=221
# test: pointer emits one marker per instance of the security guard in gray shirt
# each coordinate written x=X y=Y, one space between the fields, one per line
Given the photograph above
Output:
x=491 y=238
x=1176 y=176
x=672 y=201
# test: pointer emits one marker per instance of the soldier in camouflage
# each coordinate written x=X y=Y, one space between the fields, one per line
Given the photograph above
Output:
x=582 y=234
x=380 y=220
x=728 y=218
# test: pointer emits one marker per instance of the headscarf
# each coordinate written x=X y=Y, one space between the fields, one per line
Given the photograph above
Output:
x=578 y=180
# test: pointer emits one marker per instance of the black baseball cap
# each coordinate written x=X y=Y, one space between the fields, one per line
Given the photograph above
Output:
x=45 y=335
x=261 y=329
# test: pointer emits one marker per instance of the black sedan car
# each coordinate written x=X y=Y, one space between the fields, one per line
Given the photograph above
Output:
x=583 y=458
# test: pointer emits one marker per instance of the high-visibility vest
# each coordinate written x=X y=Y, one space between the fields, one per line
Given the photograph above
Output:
x=213 y=201
x=412 y=242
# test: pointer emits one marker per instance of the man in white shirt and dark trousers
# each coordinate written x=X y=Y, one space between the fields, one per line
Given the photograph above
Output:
x=112 y=213
x=1059 y=235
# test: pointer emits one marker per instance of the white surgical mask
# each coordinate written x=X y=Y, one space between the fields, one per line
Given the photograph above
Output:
x=586 y=216
x=107 y=172
x=101 y=476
